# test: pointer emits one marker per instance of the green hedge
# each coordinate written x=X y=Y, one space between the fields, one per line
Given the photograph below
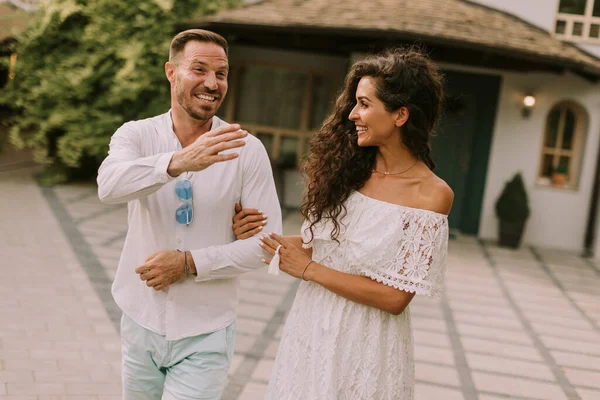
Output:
x=86 y=67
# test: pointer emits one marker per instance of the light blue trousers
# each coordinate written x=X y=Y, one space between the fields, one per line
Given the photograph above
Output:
x=191 y=368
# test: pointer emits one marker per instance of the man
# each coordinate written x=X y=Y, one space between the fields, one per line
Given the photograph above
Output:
x=181 y=173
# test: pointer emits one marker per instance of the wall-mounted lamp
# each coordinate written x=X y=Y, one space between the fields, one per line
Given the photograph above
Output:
x=528 y=103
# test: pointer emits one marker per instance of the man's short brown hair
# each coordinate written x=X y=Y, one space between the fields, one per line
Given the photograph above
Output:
x=200 y=35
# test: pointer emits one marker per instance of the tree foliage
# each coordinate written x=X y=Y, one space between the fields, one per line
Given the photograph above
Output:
x=85 y=67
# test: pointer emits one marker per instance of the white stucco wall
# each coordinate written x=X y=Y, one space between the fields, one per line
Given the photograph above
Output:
x=538 y=12
x=591 y=48
x=558 y=216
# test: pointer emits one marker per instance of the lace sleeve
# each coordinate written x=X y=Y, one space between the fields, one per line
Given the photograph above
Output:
x=415 y=262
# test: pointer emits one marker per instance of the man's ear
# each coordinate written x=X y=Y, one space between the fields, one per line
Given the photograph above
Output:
x=170 y=71
x=401 y=116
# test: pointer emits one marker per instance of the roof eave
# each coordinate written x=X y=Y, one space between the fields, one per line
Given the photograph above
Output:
x=585 y=70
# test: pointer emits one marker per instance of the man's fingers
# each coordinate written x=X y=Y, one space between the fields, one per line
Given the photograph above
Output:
x=226 y=137
x=160 y=287
x=142 y=268
x=153 y=282
x=148 y=275
x=219 y=147
x=222 y=130
x=237 y=208
x=223 y=157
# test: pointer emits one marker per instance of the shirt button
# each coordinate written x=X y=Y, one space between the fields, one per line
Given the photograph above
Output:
x=170 y=298
x=178 y=240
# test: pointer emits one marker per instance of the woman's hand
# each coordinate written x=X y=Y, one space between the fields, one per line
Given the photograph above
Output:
x=247 y=222
x=293 y=260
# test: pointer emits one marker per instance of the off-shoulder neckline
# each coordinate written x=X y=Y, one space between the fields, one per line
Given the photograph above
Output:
x=401 y=206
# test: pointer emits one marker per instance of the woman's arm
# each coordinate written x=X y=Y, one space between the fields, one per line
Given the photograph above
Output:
x=359 y=289
x=248 y=222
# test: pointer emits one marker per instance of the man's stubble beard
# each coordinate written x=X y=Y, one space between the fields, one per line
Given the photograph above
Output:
x=180 y=94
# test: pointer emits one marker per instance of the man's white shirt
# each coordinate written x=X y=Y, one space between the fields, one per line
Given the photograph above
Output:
x=135 y=171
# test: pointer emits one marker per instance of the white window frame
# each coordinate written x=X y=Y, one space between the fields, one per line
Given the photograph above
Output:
x=303 y=133
x=587 y=19
x=575 y=153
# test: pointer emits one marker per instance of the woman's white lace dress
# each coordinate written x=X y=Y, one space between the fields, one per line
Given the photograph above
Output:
x=336 y=349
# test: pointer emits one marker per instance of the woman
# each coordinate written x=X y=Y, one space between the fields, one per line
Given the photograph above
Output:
x=375 y=234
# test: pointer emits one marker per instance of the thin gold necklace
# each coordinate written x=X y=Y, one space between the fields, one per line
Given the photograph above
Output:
x=396 y=173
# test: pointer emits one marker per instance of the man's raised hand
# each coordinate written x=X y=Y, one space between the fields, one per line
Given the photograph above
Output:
x=205 y=151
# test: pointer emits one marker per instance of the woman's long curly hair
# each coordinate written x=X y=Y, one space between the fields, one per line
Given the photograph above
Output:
x=336 y=165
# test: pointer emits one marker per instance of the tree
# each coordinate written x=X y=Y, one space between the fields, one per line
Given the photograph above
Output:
x=84 y=68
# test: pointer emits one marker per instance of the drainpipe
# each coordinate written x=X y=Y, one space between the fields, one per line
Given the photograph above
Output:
x=590 y=230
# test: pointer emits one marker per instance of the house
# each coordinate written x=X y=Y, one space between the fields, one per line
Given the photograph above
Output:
x=521 y=80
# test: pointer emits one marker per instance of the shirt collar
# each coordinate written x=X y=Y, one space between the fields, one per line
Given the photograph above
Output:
x=215 y=123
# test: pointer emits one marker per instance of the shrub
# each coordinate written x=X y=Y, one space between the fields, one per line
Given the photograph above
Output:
x=85 y=67
x=513 y=204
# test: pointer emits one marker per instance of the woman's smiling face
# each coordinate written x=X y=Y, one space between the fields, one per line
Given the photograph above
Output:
x=375 y=126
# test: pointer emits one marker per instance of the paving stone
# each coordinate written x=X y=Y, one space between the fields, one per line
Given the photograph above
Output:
x=501 y=349
x=263 y=370
x=434 y=355
x=437 y=374
x=517 y=387
x=253 y=391
x=576 y=346
x=501 y=335
x=56 y=331
x=510 y=366
x=424 y=391
x=588 y=394
x=579 y=377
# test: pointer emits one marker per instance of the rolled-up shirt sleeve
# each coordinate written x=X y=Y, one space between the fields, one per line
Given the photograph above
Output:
x=126 y=174
x=258 y=191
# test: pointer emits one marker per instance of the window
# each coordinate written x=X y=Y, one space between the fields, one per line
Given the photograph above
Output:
x=563 y=142
x=281 y=106
x=578 y=20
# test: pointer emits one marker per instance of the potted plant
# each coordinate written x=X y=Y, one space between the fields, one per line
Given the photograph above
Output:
x=512 y=210
x=560 y=175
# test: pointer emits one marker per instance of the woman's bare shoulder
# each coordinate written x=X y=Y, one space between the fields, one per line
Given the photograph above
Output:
x=436 y=195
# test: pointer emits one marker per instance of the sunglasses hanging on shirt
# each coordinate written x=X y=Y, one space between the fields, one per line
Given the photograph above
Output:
x=185 y=212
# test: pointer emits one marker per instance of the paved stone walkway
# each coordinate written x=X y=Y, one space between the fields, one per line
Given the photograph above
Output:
x=56 y=339
x=513 y=324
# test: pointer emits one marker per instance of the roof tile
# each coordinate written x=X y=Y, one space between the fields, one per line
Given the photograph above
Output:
x=456 y=20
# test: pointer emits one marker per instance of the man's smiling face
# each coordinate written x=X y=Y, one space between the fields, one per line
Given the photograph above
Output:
x=200 y=79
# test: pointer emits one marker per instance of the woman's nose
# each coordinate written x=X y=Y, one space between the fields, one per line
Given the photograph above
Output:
x=353 y=115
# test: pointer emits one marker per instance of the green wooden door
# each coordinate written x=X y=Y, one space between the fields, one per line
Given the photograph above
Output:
x=462 y=144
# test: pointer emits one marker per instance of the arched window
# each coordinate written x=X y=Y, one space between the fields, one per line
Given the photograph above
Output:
x=562 y=147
